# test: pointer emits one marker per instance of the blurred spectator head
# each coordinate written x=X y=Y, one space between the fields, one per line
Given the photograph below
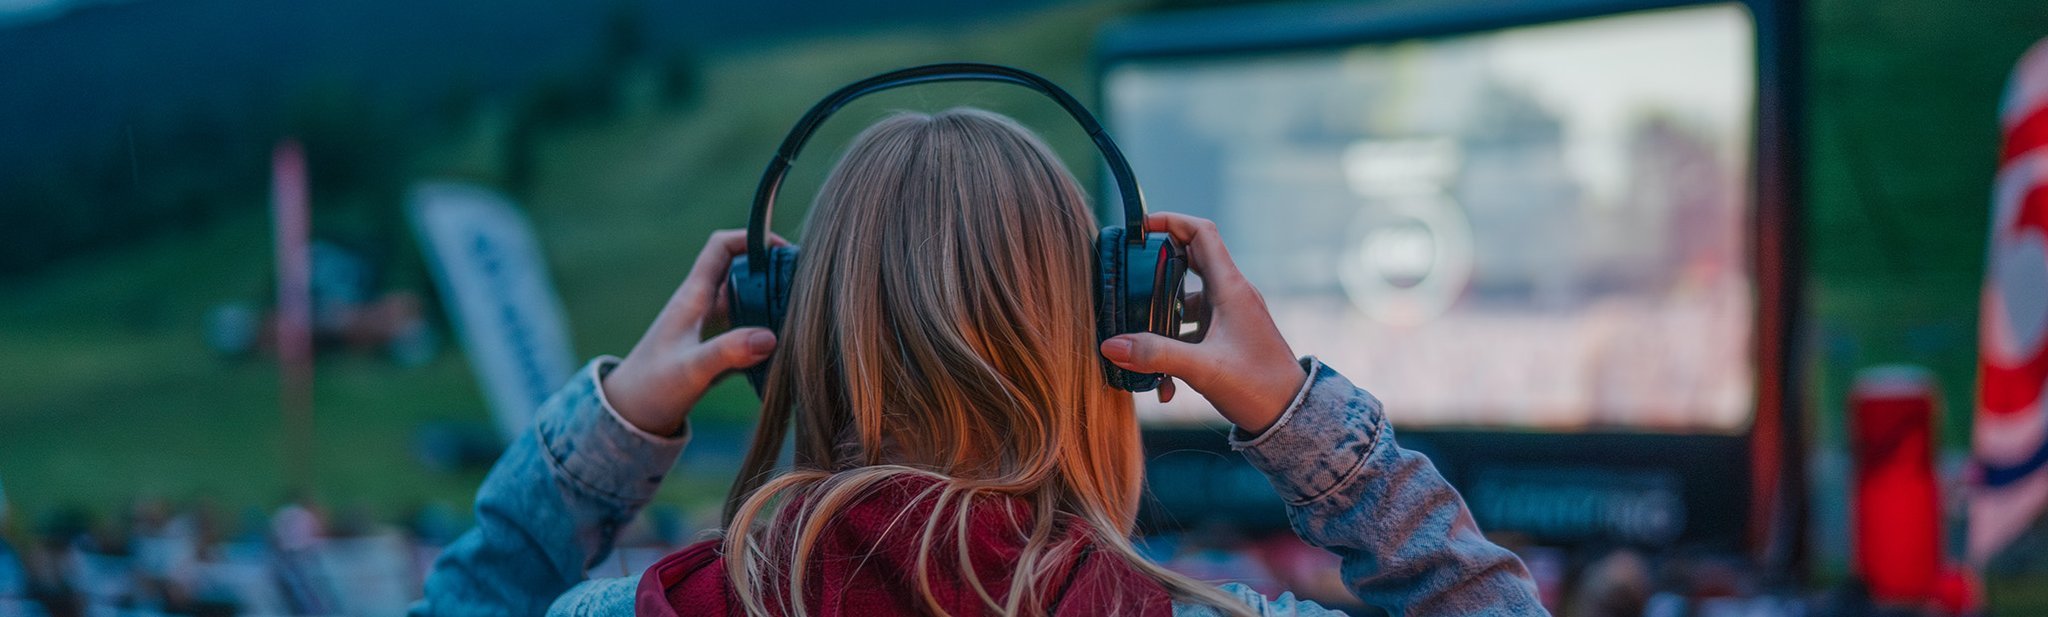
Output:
x=1616 y=585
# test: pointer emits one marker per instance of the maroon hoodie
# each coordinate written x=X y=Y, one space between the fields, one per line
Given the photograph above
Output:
x=864 y=565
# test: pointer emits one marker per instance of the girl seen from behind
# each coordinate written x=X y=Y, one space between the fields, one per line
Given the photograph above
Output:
x=957 y=447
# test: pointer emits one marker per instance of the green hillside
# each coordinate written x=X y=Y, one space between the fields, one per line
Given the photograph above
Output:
x=113 y=393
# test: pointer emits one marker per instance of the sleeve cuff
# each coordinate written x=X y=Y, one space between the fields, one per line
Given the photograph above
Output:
x=1323 y=440
x=1240 y=439
x=604 y=365
x=588 y=444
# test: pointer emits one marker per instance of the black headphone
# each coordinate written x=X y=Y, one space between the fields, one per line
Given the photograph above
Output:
x=1138 y=275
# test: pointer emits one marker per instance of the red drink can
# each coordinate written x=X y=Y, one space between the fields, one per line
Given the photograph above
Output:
x=1896 y=510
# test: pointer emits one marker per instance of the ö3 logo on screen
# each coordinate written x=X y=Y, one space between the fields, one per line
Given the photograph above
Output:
x=1412 y=245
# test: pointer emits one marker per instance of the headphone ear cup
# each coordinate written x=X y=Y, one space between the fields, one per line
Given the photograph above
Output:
x=1109 y=258
x=761 y=299
x=782 y=282
x=1112 y=312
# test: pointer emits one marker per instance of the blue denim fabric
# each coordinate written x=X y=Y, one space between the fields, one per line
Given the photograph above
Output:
x=549 y=511
x=551 y=507
x=1407 y=542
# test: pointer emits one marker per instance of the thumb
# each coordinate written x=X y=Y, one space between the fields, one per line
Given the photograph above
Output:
x=1145 y=352
x=736 y=349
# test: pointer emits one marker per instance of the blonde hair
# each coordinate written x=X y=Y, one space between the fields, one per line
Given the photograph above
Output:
x=942 y=328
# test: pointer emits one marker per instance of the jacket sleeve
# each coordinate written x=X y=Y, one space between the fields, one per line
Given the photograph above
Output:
x=1407 y=542
x=550 y=509
x=1284 y=606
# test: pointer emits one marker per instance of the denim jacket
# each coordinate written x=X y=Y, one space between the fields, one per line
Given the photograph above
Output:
x=552 y=506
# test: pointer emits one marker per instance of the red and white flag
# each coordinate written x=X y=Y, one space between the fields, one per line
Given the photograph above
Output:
x=2010 y=441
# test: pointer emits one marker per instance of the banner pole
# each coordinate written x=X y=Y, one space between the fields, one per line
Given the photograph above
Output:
x=290 y=213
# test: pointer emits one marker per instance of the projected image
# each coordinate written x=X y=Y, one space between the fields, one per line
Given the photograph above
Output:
x=1535 y=228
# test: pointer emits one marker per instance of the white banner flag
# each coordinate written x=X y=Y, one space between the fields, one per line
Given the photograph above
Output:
x=488 y=267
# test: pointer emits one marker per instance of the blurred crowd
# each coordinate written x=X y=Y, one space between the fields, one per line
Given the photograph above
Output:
x=162 y=558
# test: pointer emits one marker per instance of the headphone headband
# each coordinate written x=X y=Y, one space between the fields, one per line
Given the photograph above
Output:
x=778 y=168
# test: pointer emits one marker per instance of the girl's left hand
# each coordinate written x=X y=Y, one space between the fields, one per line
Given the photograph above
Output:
x=1239 y=361
x=673 y=365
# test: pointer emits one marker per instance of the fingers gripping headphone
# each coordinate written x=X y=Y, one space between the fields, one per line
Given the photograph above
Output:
x=1138 y=275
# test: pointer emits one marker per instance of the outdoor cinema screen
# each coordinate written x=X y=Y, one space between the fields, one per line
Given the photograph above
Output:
x=1544 y=227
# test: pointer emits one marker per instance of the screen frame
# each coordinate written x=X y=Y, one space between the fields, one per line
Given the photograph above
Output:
x=1771 y=490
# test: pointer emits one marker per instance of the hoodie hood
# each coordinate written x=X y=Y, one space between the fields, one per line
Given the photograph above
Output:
x=865 y=565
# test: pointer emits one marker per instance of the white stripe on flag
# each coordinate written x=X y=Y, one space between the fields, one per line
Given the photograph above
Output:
x=2029 y=88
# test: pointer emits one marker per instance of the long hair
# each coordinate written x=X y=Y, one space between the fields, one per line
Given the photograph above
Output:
x=942 y=327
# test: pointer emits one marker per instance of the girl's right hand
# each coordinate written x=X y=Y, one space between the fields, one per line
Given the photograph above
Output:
x=673 y=364
x=1242 y=364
